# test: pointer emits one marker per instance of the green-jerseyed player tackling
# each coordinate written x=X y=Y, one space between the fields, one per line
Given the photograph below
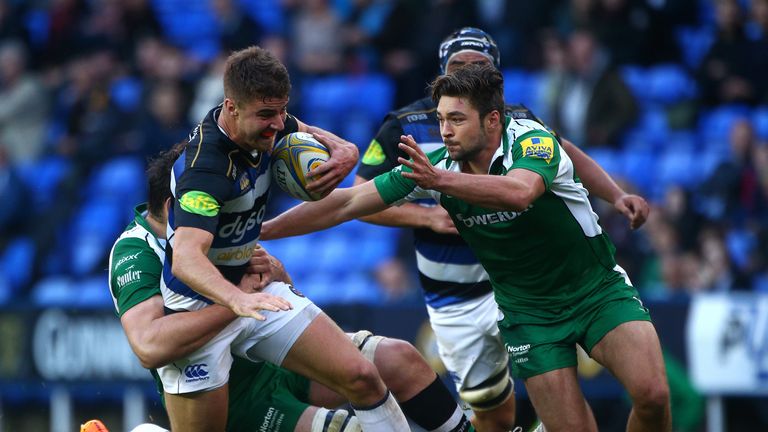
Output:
x=514 y=197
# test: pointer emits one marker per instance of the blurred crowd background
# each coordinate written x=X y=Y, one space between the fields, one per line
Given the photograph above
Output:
x=669 y=96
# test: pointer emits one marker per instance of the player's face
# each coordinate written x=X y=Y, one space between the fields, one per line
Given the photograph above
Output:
x=460 y=126
x=465 y=57
x=258 y=121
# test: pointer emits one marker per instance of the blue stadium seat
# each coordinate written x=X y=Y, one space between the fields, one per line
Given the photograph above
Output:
x=54 y=291
x=94 y=230
x=16 y=263
x=639 y=168
x=607 y=158
x=524 y=87
x=740 y=244
x=359 y=287
x=93 y=292
x=635 y=78
x=126 y=93
x=668 y=84
x=120 y=180
x=760 y=121
x=715 y=125
x=676 y=166
x=43 y=178
x=268 y=13
x=694 y=42
x=351 y=105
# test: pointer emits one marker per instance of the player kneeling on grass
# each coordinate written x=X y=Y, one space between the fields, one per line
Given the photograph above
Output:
x=262 y=396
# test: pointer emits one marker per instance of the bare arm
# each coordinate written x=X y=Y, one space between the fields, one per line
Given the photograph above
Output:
x=192 y=266
x=412 y=216
x=598 y=182
x=158 y=339
x=513 y=192
x=340 y=206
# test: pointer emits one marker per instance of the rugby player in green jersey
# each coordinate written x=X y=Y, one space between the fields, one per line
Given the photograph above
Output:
x=262 y=396
x=515 y=198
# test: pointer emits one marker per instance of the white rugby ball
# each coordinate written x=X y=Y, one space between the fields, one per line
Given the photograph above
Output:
x=293 y=157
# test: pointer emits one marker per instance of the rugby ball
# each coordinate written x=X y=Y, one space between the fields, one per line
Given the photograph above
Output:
x=292 y=158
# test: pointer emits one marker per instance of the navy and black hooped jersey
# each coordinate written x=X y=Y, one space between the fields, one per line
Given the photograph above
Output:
x=220 y=188
x=449 y=271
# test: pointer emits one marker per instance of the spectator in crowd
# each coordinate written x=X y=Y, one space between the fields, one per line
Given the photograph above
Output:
x=590 y=103
x=317 y=47
x=736 y=190
x=164 y=119
x=15 y=208
x=236 y=29
x=734 y=68
x=24 y=107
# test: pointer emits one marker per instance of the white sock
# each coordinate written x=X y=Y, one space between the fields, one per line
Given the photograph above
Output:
x=384 y=416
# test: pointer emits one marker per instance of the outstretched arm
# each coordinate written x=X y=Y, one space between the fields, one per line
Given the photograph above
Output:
x=412 y=216
x=598 y=182
x=512 y=192
x=340 y=206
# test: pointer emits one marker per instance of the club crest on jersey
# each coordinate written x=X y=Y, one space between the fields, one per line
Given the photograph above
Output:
x=374 y=155
x=244 y=182
x=295 y=291
x=539 y=148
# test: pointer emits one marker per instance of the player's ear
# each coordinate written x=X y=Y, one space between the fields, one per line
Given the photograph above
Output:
x=492 y=119
x=167 y=207
x=230 y=106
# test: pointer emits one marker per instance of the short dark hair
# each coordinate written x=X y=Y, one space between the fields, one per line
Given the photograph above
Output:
x=253 y=73
x=159 y=178
x=482 y=85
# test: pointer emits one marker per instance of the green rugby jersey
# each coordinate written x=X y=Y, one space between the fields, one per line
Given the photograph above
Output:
x=551 y=254
x=135 y=264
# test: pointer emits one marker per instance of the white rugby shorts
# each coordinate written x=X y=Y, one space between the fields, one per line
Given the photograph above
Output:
x=468 y=340
x=208 y=368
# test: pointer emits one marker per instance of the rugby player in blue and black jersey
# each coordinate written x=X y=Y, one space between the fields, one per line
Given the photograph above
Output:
x=220 y=186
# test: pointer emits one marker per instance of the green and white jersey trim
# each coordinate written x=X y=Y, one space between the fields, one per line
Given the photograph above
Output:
x=135 y=264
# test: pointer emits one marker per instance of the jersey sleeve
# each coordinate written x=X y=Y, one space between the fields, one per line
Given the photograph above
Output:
x=134 y=274
x=396 y=189
x=382 y=153
x=200 y=192
x=537 y=151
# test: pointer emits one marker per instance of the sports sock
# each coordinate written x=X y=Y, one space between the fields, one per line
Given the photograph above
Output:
x=384 y=416
x=434 y=409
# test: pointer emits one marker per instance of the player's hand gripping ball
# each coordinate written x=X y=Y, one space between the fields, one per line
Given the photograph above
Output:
x=293 y=157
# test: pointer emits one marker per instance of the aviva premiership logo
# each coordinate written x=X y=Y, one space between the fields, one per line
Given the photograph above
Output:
x=539 y=148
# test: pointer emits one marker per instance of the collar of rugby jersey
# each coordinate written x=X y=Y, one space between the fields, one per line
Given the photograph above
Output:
x=140 y=217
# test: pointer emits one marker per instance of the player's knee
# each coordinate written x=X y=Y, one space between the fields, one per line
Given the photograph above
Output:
x=401 y=366
x=652 y=397
x=362 y=379
x=335 y=421
x=489 y=394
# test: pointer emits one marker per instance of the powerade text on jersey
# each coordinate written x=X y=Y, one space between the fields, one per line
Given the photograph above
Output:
x=223 y=189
